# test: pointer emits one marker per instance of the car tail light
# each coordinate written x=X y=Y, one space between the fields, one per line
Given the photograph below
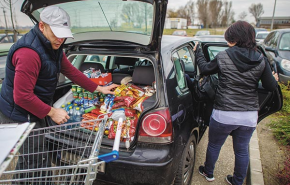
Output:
x=156 y=127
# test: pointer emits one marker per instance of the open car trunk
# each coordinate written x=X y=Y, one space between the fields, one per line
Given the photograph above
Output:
x=119 y=68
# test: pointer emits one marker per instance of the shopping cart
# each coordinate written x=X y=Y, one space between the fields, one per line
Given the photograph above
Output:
x=62 y=154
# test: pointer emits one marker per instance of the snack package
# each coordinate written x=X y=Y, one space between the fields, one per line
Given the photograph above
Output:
x=111 y=103
x=130 y=113
x=106 y=103
x=138 y=104
x=118 y=105
x=119 y=89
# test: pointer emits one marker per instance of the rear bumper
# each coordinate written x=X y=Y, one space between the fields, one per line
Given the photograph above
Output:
x=144 y=166
x=127 y=173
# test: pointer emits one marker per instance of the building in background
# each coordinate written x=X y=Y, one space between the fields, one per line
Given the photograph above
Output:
x=175 y=23
x=279 y=22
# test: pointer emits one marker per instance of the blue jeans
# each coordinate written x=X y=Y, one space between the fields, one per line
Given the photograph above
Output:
x=218 y=133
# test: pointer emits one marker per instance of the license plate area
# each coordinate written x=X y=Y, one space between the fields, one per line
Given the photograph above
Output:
x=70 y=158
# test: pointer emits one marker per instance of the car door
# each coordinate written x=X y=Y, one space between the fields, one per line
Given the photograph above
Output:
x=178 y=93
x=269 y=102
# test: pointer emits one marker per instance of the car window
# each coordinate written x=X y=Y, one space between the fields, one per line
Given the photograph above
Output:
x=285 y=42
x=261 y=35
x=2 y=67
x=179 y=71
x=269 y=38
x=187 y=59
x=5 y=40
x=214 y=50
x=101 y=59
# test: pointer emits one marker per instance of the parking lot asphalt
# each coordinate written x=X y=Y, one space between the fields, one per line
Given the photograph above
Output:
x=224 y=165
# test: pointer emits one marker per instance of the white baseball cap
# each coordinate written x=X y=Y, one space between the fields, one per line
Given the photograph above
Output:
x=58 y=20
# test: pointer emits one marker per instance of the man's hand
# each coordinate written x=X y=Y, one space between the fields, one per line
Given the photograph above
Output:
x=107 y=89
x=59 y=116
x=275 y=76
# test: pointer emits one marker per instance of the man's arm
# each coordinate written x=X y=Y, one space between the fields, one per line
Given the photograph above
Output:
x=79 y=78
x=27 y=66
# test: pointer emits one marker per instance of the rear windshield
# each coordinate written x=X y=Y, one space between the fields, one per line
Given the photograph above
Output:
x=108 y=15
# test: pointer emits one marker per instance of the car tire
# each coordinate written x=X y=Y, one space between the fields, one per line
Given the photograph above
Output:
x=186 y=165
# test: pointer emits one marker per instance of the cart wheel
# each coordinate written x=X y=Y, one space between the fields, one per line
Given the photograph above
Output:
x=186 y=165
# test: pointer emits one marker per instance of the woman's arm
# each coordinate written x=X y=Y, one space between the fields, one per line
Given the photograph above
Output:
x=206 y=68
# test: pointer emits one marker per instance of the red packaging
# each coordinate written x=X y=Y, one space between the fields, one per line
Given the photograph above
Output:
x=119 y=104
x=112 y=133
x=120 y=98
x=96 y=111
x=102 y=80
x=130 y=112
x=129 y=100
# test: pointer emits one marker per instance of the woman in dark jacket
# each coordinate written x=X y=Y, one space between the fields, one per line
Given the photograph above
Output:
x=236 y=104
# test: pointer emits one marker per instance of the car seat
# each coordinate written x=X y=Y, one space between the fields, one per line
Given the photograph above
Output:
x=86 y=65
x=143 y=75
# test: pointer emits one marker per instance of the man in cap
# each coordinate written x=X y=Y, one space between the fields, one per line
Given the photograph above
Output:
x=33 y=65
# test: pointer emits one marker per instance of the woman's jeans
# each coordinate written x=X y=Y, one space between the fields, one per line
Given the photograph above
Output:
x=218 y=133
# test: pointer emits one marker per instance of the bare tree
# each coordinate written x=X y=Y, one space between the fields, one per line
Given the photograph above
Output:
x=227 y=14
x=171 y=13
x=9 y=4
x=242 y=15
x=256 y=10
x=202 y=9
x=128 y=13
x=215 y=7
x=190 y=12
x=186 y=12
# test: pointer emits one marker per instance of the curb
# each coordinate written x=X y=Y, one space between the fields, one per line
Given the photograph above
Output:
x=255 y=172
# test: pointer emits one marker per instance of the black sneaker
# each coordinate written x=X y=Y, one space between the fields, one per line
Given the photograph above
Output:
x=229 y=179
x=209 y=178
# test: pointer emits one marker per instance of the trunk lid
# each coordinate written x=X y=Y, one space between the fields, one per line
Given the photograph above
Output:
x=138 y=23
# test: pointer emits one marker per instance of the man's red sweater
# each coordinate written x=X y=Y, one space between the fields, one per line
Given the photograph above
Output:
x=27 y=66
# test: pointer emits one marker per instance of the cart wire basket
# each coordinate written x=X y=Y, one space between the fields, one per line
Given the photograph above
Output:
x=62 y=154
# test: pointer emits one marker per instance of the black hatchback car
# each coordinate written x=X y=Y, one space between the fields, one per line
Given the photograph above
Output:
x=131 y=44
x=277 y=47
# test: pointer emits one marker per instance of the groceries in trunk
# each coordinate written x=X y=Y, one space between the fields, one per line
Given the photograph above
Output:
x=129 y=98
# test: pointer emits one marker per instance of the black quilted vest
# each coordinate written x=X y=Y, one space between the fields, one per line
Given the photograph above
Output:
x=47 y=80
x=237 y=91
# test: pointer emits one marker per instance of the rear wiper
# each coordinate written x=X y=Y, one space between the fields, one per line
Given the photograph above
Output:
x=105 y=16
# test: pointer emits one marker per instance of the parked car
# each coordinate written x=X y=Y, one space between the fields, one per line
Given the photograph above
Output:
x=277 y=47
x=261 y=35
x=168 y=155
x=201 y=33
x=260 y=29
x=4 y=49
x=180 y=33
x=9 y=38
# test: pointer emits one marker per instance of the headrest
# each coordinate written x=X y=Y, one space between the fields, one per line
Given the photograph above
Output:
x=143 y=75
x=125 y=61
x=86 y=65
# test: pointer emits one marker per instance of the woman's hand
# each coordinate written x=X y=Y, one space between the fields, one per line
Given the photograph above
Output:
x=195 y=46
x=275 y=76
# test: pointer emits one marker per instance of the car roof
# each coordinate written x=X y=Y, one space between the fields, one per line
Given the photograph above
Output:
x=210 y=38
x=263 y=32
x=283 y=30
x=169 y=41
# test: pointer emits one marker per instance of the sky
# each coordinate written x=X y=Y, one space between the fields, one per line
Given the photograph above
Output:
x=282 y=9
